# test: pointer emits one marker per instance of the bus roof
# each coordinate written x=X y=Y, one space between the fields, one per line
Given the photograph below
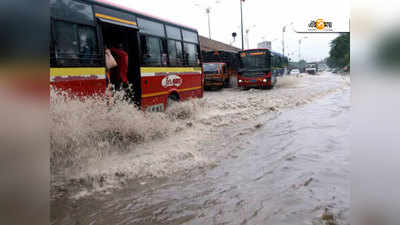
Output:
x=264 y=49
x=130 y=10
x=214 y=62
x=220 y=50
x=255 y=49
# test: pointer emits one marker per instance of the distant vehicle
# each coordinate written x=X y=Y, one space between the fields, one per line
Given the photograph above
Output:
x=259 y=68
x=295 y=72
x=215 y=75
x=222 y=68
x=311 y=68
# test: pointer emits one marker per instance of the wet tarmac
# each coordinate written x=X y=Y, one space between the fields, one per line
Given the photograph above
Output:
x=293 y=169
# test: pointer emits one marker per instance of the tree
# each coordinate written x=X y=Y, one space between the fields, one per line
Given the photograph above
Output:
x=339 y=55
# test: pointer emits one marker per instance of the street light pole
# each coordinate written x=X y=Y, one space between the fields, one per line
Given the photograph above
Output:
x=247 y=38
x=299 y=49
x=208 y=11
x=300 y=46
x=209 y=24
x=283 y=40
x=241 y=22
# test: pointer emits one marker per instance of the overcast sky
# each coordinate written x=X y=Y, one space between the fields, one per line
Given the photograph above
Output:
x=263 y=18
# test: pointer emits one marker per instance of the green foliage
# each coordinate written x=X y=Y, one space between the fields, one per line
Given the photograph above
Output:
x=340 y=52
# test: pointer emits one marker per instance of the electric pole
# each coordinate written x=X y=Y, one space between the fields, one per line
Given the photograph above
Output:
x=247 y=38
x=300 y=46
x=209 y=24
x=283 y=40
x=299 y=49
x=241 y=22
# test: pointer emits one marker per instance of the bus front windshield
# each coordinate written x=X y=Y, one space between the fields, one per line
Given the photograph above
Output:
x=255 y=61
x=210 y=68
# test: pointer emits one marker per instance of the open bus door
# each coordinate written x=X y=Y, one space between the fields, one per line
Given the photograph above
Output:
x=128 y=36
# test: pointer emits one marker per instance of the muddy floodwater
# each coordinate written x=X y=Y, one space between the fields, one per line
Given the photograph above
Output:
x=287 y=165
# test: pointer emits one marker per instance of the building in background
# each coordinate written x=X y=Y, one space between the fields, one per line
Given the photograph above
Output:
x=207 y=44
x=264 y=44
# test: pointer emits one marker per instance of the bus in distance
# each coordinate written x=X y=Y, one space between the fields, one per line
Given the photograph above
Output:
x=259 y=68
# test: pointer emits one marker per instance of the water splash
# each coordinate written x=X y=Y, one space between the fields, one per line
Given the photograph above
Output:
x=96 y=147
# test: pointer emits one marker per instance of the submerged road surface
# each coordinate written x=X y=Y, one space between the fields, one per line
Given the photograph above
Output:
x=294 y=169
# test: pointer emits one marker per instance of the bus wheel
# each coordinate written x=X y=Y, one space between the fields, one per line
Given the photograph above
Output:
x=172 y=99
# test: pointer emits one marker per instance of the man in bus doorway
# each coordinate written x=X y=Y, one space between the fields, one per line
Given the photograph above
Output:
x=120 y=73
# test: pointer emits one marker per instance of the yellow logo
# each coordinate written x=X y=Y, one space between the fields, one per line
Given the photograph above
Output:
x=320 y=24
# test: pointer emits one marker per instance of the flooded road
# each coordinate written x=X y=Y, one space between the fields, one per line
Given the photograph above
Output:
x=292 y=169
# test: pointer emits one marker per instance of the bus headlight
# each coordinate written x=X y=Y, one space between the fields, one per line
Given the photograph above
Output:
x=265 y=80
x=240 y=81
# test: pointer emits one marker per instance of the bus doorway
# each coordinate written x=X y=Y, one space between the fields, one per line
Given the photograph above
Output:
x=127 y=38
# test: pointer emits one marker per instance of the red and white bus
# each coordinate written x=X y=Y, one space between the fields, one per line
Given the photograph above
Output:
x=163 y=56
x=259 y=68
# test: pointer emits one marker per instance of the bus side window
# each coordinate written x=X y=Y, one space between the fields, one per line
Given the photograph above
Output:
x=72 y=10
x=172 y=53
x=52 y=45
x=191 y=54
x=88 y=48
x=151 y=48
x=179 y=53
x=164 y=52
x=75 y=45
x=175 y=54
x=66 y=43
